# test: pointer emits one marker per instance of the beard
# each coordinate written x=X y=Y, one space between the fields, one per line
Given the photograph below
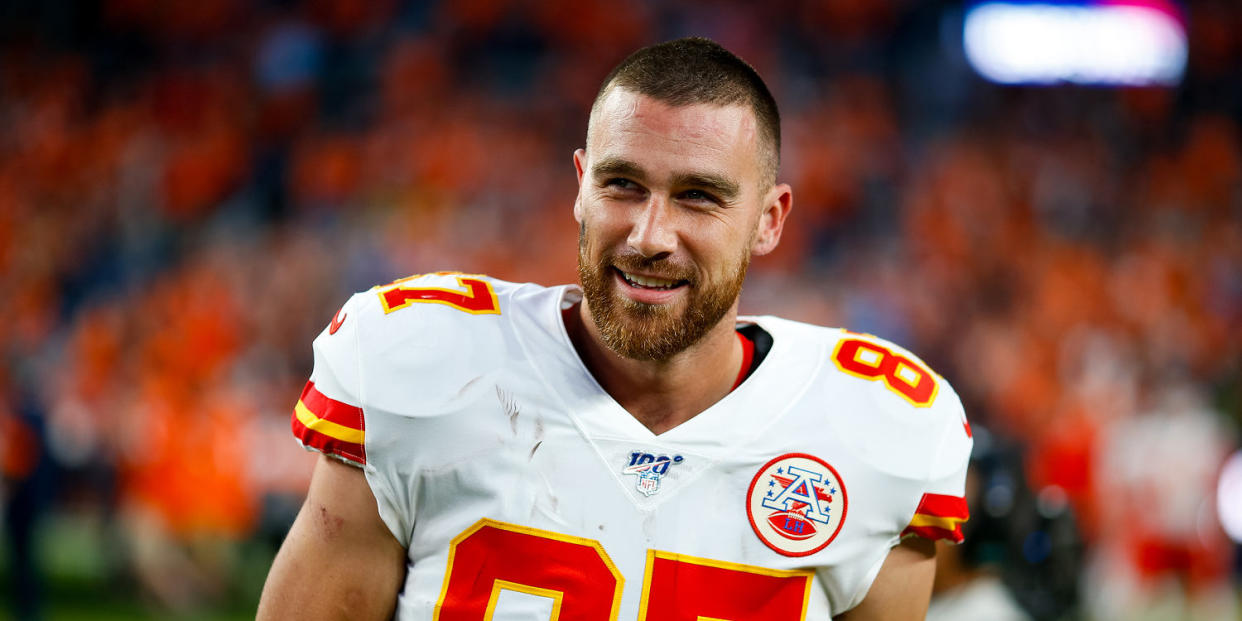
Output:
x=655 y=332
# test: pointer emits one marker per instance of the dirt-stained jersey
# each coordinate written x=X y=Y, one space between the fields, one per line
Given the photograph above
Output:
x=522 y=490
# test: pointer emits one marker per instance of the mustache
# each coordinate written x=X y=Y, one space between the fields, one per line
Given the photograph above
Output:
x=658 y=267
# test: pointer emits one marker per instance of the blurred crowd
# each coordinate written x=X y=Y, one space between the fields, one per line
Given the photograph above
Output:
x=189 y=190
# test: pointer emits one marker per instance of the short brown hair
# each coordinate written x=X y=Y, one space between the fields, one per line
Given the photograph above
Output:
x=695 y=70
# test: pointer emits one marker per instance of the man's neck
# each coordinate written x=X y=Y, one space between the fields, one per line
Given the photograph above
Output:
x=661 y=394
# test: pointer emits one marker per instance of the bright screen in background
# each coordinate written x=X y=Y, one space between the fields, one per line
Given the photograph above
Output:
x=1117 y=42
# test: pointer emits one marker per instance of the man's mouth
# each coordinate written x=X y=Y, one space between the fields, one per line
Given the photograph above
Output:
x=649 y=282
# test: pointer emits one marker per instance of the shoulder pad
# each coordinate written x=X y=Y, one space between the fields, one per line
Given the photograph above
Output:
x=424 y=339
x=909 y=423
x=927 y=403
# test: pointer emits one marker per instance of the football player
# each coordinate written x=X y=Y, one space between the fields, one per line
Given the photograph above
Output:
x=629 y=449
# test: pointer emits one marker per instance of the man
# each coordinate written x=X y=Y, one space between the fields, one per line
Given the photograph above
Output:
x=633 y=449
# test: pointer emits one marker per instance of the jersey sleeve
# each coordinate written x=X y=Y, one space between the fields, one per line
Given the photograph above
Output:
x=328 y=416
x=942 y=508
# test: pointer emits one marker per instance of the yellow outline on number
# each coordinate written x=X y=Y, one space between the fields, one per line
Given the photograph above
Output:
x=466 y=281
x=504 y=585
x=652 y=555
x=918 y=366
x=526 y=530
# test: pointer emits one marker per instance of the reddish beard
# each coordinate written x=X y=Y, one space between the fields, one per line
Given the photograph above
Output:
x=654 y=331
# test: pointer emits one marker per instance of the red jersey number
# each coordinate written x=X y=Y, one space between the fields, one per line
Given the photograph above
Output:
x=583 y=584
x=476 y=296
x=871 y=361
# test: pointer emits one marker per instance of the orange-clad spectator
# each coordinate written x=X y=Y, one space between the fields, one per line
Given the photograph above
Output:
x=19 y=448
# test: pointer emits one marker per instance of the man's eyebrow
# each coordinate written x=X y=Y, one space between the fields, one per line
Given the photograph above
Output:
x=724 y=188
x=721 y=186
x=615 y=167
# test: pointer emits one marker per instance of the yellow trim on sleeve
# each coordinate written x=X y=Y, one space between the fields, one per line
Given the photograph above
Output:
x=947 y=523
x=327 y=427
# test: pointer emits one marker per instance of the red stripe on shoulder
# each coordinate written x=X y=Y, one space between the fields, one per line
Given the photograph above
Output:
x=945 y=506
x=328 y=408
x=329 y=426
x=323 y=443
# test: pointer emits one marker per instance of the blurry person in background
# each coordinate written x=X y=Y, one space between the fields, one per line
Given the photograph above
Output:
x=1165 y=555
x=1021 y=557
x=25 y=492
x=632 y=447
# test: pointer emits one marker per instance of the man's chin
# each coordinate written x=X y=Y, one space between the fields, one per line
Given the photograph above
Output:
x=644 y=331
x=642 y=345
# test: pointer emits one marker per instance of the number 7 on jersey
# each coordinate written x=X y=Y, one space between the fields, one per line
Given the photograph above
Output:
x=477 y=298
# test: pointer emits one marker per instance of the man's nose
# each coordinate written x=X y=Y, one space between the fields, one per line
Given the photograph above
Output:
x=653 y=235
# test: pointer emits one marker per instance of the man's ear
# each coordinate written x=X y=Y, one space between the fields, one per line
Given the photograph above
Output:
x=580 y=163
x=580 y=168
x=777 y=204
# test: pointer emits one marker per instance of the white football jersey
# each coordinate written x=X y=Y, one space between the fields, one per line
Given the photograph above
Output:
x=522 y=490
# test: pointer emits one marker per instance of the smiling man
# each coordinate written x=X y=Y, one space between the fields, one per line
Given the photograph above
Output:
x=631 y=449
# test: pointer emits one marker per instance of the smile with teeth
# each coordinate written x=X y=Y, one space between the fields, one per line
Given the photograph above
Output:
x=647 y=282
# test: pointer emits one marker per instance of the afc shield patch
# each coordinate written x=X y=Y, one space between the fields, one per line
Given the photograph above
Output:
x=796 y=504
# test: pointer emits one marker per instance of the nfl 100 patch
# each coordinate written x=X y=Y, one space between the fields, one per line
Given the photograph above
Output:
x=649 y=468
x=796 y=504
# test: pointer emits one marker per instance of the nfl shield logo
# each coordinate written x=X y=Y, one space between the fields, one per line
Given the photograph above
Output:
x=649 y=468
x=648 y=482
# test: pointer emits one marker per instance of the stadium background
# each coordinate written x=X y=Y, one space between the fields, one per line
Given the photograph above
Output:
x=189 y=190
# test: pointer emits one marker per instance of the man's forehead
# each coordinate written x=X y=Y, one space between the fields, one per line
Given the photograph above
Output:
x=622 y=110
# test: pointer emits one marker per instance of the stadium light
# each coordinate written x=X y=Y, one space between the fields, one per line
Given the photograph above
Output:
x=1229 y=497
x=1116 y=43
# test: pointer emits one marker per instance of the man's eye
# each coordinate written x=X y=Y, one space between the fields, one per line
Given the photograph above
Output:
x=619 y=183
x=697 y=195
